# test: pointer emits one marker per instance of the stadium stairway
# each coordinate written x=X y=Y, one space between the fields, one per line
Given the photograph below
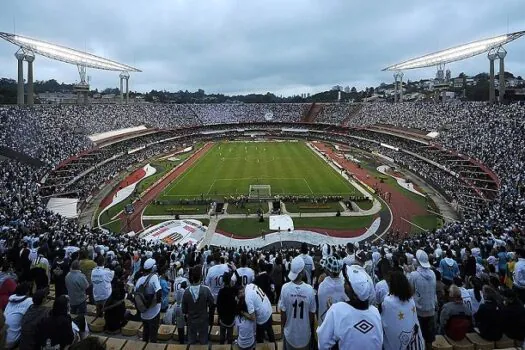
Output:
x=312 y=113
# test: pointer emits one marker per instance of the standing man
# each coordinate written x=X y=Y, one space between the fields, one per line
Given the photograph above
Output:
x=76 y=285
x=297 y=305
x=332 y=289
x=309 y=266
x=101 y=278
x=86 y=267
x=214 y=280
x=423 y=282
x=149 y=285
x=354 y=324
x=259 y=310
x=246 y=274
x=197 y=303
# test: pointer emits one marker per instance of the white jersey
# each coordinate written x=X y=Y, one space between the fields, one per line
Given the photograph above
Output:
x=297 y=301
x=214 y=279
x=382 y=290
x=467 y=300
x=246 y=331
x=246 y=274
x=331 y=291
x=351 y=328
x=309 y=267
x=257 y=302
x=401 y=325
x=349 y=260
x=177 y=284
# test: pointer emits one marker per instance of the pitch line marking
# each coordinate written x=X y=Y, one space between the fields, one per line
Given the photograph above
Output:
x=193 y=166
x=307 y=184
x=211 y=186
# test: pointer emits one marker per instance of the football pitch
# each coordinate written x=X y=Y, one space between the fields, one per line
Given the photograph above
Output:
x=230 y=168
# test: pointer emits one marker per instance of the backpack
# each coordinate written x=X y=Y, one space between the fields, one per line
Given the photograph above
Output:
x=143 y=301
x=458 y=326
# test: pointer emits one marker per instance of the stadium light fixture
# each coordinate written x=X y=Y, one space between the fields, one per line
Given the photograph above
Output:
x=456 y=53
x=65 y=54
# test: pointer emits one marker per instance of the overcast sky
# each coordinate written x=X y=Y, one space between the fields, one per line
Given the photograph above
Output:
x=243 y=46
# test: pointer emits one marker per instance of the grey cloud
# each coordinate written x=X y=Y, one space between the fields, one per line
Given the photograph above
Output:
x=238 y=46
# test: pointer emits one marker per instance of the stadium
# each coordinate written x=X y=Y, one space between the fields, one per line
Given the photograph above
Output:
x=183 y=184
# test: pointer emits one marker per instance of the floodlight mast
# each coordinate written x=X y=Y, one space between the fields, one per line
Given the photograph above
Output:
x=29 y=47
x=494 y=47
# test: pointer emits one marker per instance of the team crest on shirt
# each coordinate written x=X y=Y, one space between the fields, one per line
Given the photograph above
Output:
x=364 y=326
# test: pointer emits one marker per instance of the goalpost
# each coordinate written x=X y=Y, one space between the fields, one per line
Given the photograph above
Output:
x=260 y=191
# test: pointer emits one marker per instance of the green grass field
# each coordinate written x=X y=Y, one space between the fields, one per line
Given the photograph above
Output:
x=229 y=168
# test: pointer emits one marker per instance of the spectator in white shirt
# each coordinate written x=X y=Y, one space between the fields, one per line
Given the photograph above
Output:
x=101 y=278
x=15 y=310
x=332 y=289
x=297 y=305
x=355 y=324
x=153 y=293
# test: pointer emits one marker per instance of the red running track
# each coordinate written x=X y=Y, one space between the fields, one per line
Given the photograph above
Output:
x=401 y=205
x=134 y=221
x=135 y=176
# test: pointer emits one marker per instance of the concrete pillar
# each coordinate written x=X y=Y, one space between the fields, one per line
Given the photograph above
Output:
x=400 y=87
x=20 y=86
x=395 y=87
x=502 y=79
x=127 y=90
x=492 y=90
x=121 y=90
x=30 y=91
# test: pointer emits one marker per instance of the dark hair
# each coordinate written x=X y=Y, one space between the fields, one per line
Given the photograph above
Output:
x=399 y=286
x=38 y=297
x=195 y=274
x=100 y=260
x=241 y=306
x=304 y=248
x=22 y=289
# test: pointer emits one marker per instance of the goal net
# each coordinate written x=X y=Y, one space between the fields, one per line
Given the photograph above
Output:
x=260 y=191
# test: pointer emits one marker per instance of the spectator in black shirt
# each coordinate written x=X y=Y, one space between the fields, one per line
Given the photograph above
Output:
x=264 y=281
x=226 y=305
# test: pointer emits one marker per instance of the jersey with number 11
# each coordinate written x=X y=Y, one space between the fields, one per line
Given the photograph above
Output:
x=297 y=301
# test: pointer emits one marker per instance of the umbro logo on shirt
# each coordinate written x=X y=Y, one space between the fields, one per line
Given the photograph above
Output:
x=364 y=326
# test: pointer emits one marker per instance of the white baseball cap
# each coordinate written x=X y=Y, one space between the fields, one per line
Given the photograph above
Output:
x=148 y=264
x=422 y=259
x=296 y=267
x=360 y=281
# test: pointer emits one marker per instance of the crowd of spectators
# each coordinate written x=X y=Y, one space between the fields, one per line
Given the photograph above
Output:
x=466 y=274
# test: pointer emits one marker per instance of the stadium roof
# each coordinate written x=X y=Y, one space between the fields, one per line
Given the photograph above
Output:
x=64 y=54
x=457 y=53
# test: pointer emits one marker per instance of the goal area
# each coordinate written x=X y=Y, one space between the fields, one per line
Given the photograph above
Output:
x=260 y=191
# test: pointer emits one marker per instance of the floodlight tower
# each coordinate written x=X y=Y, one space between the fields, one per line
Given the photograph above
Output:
x=395 y=87
x=400 y=75
x=82 y=88
x=124 y=76
x=30 y=57
x=501 y=53
x=25 y=55
x=20 y=56
x=492 y=57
